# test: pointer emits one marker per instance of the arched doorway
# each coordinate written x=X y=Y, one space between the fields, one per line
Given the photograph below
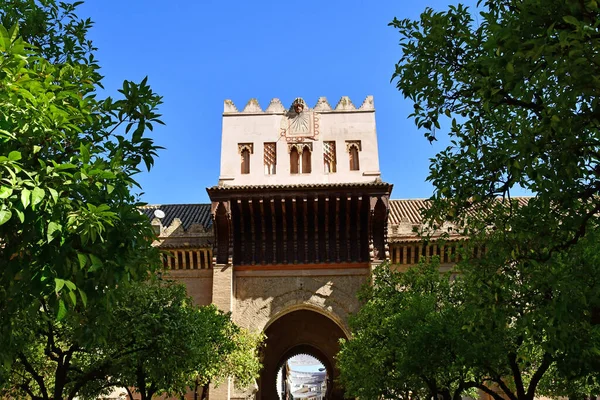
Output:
x=300 y=332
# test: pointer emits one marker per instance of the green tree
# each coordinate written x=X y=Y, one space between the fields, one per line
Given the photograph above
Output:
x=152 y=338
x=182 y=345
x=408 y=339
x=69 y=225
x=520 y=85
x=515 y=331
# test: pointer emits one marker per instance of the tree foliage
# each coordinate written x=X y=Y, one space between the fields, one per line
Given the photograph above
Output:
x=69 y=223
x=151 y=338
x=408 y=326
x=520 y=83
x=512 y=331
x=182 y=345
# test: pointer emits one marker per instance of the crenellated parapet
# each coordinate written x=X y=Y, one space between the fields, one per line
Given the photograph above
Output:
x=345 y=104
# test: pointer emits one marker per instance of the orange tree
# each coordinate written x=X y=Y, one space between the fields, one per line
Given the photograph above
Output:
x=70 y=229
x=516 y=90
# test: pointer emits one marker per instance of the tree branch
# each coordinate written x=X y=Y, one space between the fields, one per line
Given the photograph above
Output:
x=537 y=376
x=489 y=391
x=514 y=367
x=29 y=368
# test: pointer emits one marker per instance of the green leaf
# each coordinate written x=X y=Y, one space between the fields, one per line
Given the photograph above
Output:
x=82 y=260
x=569 y=19
x=25 y=197
x=5 y=192
x=37 y=196
x=83 y=296
x=85 y=153
x=62 y=310
x=58 y=284
x=4 y=38
x=13 y=32
x=53 y=227
x=73 y=298
x=5 y=216
x=36 y=149
x=14 y=155
x=54 y=194
x=96 y=263
x=70 y=285
x=20 y=214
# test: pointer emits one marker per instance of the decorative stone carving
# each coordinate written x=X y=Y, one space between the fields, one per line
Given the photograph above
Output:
x=367 y=104
x=275 y=106
x=246 y=146
x=252 y=107
x=300 y=123
x=300 y=147
x=353 y=143
x=322 y=105
x=229 y=107
x=345 y=104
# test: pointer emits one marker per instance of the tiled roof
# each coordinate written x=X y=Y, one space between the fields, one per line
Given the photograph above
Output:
x=410 y=210
x=187 y=213
x=406 y=211
x=400 y=210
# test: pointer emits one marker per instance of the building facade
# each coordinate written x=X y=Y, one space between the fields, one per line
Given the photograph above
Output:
x=299 y=217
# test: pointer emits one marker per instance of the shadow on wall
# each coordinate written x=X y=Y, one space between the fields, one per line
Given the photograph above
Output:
x=261 y=299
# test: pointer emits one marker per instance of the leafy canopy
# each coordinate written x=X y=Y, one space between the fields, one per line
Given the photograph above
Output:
x=520 y=84
x=151 y=338
x=68 y=218
x=70 y=229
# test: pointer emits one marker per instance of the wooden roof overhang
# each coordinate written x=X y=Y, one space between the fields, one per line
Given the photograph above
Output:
x=375 y=188
x=300 y=224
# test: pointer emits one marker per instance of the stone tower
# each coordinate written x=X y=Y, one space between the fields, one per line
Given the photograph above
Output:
x=300 y=219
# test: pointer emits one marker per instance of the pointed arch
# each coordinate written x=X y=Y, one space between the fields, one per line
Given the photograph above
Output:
x=306 y=160
x=294 y=160
x=354 y=161
x=245 y=167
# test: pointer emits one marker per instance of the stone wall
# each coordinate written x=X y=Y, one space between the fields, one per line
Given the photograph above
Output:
x=263 y=296
x=199 y=284
x=252 y=127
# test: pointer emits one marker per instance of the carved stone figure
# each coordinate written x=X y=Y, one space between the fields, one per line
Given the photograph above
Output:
x=299 y=123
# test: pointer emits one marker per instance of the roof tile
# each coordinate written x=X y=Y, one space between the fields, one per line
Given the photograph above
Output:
x=187 y=213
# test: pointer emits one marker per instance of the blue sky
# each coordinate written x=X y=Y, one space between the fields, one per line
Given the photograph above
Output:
x=198 y=53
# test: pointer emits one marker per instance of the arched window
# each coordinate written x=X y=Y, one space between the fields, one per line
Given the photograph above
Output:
x=306 y=160
x=294 y=160
x=245 y=161
x=353 y=150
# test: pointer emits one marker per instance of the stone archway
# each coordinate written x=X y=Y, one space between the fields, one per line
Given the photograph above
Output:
x=300 y=331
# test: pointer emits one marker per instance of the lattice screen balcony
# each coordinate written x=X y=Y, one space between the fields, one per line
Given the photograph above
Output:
x=188 y=259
